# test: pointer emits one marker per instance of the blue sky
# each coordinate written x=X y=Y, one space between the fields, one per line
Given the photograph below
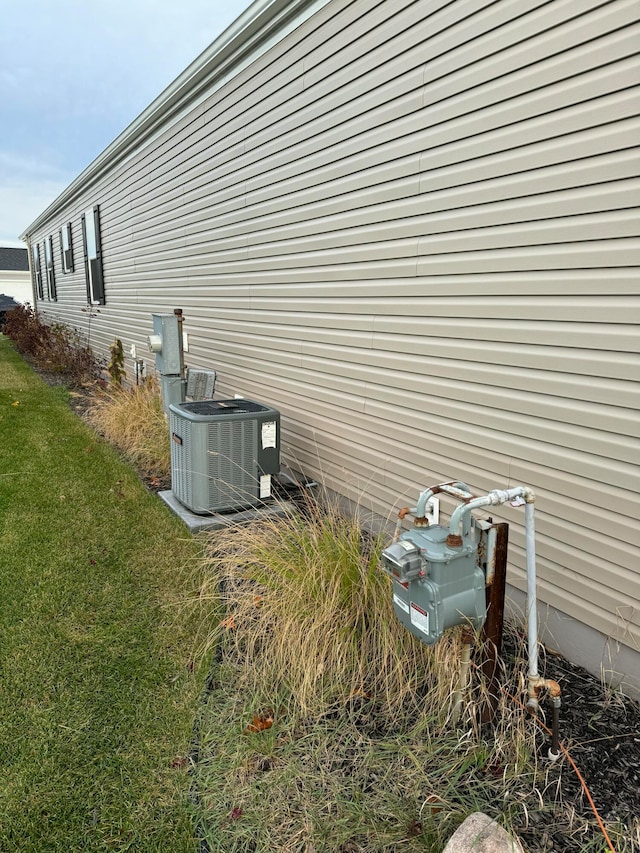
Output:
x=74 y=74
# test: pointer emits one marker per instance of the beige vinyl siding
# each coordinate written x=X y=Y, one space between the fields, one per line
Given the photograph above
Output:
x=413 y=228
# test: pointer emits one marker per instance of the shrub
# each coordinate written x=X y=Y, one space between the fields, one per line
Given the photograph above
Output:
x=26 y=331
x=54 y=348
x=116 y=362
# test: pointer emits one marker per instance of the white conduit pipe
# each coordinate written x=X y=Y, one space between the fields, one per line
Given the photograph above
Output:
x=532 y=601
x=457 y=524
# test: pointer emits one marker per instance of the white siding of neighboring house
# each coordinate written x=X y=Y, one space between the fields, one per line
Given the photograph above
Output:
x=16 y=283
x=412 y=227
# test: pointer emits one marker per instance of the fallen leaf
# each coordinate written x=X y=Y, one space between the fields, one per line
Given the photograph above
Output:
x=236 y=813
x=414 y=829
x=16 y=403
x=179 y=762
x=229 y=623
x=259 y=724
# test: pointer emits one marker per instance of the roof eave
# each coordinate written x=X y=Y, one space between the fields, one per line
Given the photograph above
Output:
x=253 y=27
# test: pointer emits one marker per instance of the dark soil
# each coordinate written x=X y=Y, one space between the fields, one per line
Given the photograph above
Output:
x=600 y=728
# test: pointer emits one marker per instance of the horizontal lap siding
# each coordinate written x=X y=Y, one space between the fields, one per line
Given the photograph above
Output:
x=412 y=226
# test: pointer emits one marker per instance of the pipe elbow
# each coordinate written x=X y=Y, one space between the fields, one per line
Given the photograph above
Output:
x=555 y=691
x=536 y=684
x=421 y=508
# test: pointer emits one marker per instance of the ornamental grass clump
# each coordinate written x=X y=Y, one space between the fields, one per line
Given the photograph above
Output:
x=132 y=419
x=308 y=614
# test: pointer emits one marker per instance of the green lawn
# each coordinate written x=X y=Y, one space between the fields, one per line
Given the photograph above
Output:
x=97 y=693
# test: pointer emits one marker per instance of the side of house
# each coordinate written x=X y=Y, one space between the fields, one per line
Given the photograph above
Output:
x=409 y=226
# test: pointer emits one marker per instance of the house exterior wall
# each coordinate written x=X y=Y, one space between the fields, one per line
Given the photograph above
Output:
x=16 y=283
x=410 y=227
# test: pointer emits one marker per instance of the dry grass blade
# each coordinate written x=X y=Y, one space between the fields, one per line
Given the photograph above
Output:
x=132 y=419
x=314 y=615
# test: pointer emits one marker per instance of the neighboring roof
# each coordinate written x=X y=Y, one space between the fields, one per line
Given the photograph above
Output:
x=256 y=30
x=13 y=259
x=7 y=303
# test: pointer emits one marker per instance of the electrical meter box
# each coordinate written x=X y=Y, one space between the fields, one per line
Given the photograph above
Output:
x=435 y=586
x=166 y=344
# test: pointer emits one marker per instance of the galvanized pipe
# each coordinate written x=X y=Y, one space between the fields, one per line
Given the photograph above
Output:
x=455 y=489
x=493 y=498
x=463 y=677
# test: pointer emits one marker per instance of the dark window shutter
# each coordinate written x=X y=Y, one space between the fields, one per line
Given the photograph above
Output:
x=69 y=254
x=62 y=265
x=97 y=277
x=51 y=274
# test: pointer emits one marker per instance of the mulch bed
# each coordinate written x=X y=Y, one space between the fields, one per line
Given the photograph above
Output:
x=600 y=728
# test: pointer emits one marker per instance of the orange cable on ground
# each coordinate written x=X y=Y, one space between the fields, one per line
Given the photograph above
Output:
x=575 y=769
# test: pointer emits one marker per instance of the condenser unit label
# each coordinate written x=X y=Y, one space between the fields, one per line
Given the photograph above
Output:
x=265 y=486
x=419 y=618
x=268 y=434
x=401 y=604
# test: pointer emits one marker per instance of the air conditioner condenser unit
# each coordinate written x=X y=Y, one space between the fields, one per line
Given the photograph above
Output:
x=223 y=454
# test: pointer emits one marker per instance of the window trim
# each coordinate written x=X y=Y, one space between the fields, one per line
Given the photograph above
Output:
x=52 y=293
x=94 y=277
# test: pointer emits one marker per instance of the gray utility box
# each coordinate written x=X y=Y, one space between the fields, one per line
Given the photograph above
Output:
x=223 y=453
x=435 y=587
x=166 y=344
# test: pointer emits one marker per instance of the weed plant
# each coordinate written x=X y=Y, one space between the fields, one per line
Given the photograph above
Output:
x=132 y=419
x=329 y=727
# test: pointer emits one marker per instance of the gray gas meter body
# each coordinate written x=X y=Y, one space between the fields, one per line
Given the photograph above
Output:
x=435 y=586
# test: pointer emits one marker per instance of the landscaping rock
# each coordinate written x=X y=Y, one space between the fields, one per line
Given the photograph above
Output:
x=480 y=834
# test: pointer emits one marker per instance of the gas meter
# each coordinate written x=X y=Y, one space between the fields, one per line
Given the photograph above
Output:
x=435 y=585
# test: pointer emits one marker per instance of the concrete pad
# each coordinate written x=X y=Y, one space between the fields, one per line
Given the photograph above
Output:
x=217 y=520
x=480 y=834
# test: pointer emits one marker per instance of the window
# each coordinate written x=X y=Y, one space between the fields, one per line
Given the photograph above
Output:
x=37 y=272
x=51 y=277
x=93 y=255
x=66 y=248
